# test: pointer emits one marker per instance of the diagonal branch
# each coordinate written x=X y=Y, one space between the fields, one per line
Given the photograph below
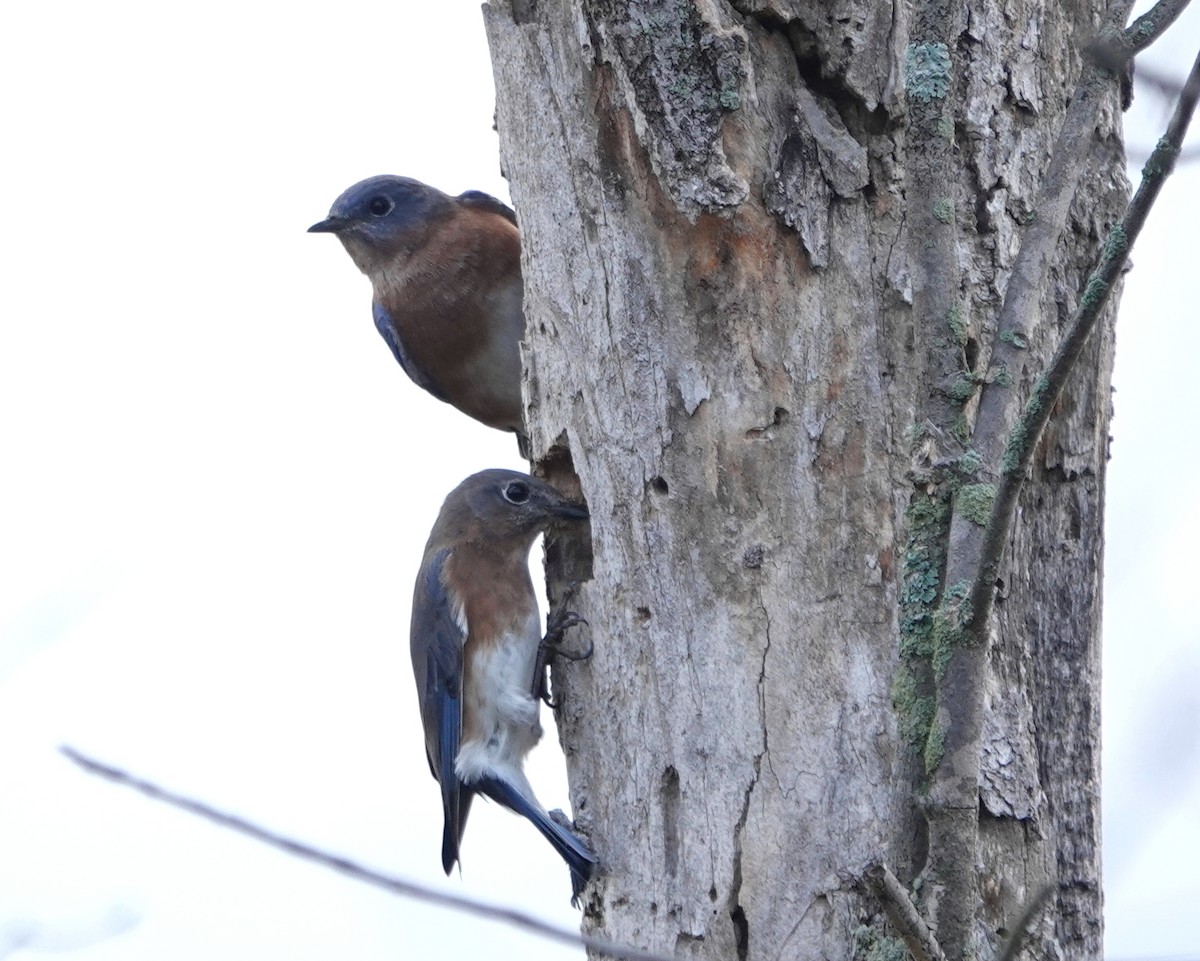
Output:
x=958 y=627
x=1152 y=24
x=920 y=940
x=1115 y=48
x=960 y=624
x=1014 y=327
x=1024 y=436
x=357 y=871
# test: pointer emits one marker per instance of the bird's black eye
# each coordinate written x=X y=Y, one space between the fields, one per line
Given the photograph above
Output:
x=380 y=206
x=516 y=492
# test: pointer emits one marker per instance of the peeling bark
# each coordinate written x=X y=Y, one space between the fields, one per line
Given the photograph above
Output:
x=727 y=354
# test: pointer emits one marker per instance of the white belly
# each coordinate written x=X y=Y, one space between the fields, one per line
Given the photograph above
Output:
x=504 y=712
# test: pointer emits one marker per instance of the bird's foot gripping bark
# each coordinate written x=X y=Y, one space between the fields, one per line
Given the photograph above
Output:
x=552 y=646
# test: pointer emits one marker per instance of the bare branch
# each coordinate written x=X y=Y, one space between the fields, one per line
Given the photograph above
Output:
x=1038 y=243
x=1152 y=24
x=960 y=620
x=903 y=914
x=998 y=403
x=1025 y=432
x=1115 y=48
x=357 y=871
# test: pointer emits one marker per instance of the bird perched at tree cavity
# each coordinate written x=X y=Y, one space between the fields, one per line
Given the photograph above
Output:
x=446 y=273
x=477 y=654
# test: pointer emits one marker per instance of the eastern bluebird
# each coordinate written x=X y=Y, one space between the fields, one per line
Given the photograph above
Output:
x=477 y=654
x=446 y=273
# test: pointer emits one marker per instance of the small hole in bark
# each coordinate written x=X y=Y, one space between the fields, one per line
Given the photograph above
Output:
x=659 y=485
x=972 y=352
x=569 y=544
x=741 y=931
x=643 y=614
x=779 y=417
x=669 y=793
x=712 y=893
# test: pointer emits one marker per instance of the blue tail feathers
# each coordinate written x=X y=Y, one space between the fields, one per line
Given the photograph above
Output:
x=454 y=822
x=570 y=848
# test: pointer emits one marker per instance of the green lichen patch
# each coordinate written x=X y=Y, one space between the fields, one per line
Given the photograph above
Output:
x=1095 y=291
x=1014 y=338
x=963 y=388
x=927 y=71
x=1162 y=159
x=1116 y=243
x=914 y=710
x=948 y=627
x=729 y=97
x=928 y=519
x=957 y=324
x=871 y=944
x=1021 y=435
x=969 y=461
x=943 y=210
x=974 y=502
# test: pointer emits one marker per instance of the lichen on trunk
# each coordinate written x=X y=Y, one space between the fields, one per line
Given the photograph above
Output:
x=728 y=349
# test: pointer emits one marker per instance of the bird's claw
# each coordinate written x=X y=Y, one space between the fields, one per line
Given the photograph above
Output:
x=552 y=642
x=552 y=646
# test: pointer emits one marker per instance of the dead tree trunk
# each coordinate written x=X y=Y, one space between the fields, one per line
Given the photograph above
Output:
x=766 y=245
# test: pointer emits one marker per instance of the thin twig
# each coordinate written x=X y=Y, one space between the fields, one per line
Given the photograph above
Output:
x=1115 y=48
x=360 y=873
x=903 y=914
x=1153 y=24
x=1024 y=436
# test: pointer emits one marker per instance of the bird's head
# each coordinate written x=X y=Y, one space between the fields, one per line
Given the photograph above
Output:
x=381 y=217
x=503 y=506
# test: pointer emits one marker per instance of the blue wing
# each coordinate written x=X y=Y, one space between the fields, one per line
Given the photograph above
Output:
x=482 y=201
x=437 y=653
x=387 y=328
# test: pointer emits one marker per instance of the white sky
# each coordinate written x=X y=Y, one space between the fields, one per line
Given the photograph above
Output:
x=217 y=484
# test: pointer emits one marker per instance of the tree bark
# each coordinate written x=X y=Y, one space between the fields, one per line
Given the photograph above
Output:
x=736 y=350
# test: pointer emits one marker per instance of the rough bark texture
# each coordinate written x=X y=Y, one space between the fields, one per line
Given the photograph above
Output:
x=724 y=354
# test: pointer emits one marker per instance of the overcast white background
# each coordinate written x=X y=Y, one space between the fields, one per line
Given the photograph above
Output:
x=216 y=485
